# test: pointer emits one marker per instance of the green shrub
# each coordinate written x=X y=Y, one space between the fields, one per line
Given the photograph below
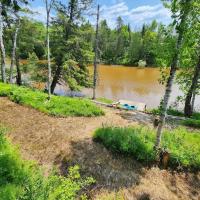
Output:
x=23 y=180
x=183 y=146
x=191 y=123
x=196 y=116
x=57 y=106
x=137 y=142
x=170 y=111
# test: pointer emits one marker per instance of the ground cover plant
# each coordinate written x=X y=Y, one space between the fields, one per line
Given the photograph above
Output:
x=104 y=100
x=191 y=123
x=57 y=106
x=24 y=180
x=138 y=142
x=194 y=121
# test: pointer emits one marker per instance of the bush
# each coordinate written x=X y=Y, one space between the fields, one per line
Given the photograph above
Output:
x=191 y=123
x=170 y=111
x=23 y=180
x=57 y=106
x=183 y=146
x=137 y=142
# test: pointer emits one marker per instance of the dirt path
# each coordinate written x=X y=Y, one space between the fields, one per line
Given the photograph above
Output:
x=67 y=141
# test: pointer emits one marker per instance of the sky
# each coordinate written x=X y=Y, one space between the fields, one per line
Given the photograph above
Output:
x=134 y=12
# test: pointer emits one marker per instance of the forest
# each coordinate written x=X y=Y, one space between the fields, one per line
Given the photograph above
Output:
x=55 y=147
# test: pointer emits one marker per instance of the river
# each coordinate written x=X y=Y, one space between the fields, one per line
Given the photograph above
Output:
x=132 y=83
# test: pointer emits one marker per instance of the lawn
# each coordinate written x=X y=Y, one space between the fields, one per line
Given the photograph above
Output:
x=138 y=142
x=57 y=106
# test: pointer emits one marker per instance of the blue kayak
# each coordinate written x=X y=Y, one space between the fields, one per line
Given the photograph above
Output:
x=129 y=107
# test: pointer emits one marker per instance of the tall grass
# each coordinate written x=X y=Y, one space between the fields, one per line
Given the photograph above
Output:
x=138 y=142
x=24 y=180
x=57 y=106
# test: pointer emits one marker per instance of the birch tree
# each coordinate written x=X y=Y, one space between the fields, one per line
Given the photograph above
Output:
x=180 y=10
x=13 y=56
x=48 y=10
x=2 y=48
x=96 y=54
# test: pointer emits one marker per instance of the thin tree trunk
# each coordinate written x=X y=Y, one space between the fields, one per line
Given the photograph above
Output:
x=171 y=79
x=13 y=57
x=166 y=102
x=188 y=101
x=96 y=55
x=193 y=100
x=56 y=78
x=49 y=61
x=19 y=76
x=2 y=48
x=48 y=9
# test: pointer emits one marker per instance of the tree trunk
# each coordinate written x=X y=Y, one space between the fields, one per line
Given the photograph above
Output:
x=2 y=48
x=48 y=9
x=13 y=57
x=19 y=76
x=193 y=100
x=56 y=78
x=72 y=9
x=188 y=101
x=166 y=102
x=170 y=81
x=96 y=55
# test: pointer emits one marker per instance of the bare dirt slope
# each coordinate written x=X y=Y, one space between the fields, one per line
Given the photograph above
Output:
x=67 y=141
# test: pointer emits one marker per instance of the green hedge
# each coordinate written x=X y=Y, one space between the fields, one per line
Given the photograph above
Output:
x=57 y=106
x=23 y=180
x=138 y=142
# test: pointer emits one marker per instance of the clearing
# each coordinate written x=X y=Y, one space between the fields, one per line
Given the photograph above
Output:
x=68 y=141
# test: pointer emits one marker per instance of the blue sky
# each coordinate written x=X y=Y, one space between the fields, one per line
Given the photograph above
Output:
x=134 y=12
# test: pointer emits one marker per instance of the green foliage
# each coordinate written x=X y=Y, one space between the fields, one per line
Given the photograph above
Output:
x=170 y=111
x=23 y=180
x=174 y=112
x=67 y=188
x=139 y=142
x=104 y=100
x=72 y=50
x=35 y=43
x=57 y=106
x=154 y=44
x=191 y=123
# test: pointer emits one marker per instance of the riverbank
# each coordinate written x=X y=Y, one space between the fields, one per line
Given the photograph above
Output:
x=67 y=141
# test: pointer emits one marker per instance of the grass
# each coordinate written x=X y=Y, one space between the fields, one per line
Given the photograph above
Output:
x=57 y=106
x=104 y=100
x=138 y=142
x=21 y=179
x=170 y=111
x=193 y=122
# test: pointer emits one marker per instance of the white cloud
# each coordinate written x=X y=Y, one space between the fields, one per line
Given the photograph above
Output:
x=136 y=16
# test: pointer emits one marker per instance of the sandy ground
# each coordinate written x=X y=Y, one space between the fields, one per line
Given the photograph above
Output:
x=67 y=141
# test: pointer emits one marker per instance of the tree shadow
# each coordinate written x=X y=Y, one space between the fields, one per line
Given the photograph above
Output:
x=110 y=171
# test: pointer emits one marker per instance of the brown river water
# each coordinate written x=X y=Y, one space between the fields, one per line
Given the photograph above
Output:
x=132 y=83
